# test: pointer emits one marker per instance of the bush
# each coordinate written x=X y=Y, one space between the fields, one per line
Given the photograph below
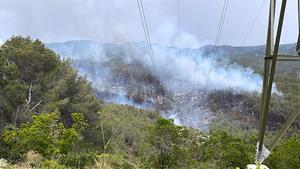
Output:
x=45 y=135
x=7 y=153
x=33 y=160
x=110 y=161
x=167 y=141
x=229 y=151
x=286 y=155
x=79 y=160
x=52 y=164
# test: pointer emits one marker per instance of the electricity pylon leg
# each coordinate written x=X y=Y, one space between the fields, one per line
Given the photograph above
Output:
x=298 y=41
x=269 y=71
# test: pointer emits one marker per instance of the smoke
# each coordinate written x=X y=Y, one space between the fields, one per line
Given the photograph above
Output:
x=173 y=116
x=168 y=35
x=189 y=70
x=120 y=98
x=183 y=72
x=178 y=69
x=181 y=69
x=197 y=120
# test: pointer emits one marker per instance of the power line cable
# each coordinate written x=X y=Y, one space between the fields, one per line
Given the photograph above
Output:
x=293 y=48
x=178 y=23
x=253 y=23
x=147 y=37
x=220 y=29
x=150 y=48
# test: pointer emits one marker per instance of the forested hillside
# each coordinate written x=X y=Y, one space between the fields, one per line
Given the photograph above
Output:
x=53 y=117
x=121 y=74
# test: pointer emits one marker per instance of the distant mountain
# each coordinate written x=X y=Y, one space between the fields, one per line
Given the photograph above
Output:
x=86 y=48
x=246 y=56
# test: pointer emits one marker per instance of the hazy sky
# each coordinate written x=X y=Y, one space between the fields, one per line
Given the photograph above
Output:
x=118 y=21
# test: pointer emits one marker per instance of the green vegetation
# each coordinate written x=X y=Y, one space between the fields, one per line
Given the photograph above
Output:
x=45 y=135
x=167 y=146
x=286 y=155
x=50 y=118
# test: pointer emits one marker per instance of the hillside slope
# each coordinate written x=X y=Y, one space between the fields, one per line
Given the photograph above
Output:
x=122 y=73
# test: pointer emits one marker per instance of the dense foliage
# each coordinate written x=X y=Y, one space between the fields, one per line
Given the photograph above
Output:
x=34 y=80
x=45 y=135
x=286 y=155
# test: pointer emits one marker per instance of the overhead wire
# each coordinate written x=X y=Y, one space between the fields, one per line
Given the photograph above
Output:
x=147 y=37
x=293 y=48
x=150 y=48
x=218 y=37
x=254 y=21
x=178 y=24
x=216 y=46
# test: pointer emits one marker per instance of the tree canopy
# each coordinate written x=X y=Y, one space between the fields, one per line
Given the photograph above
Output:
x=34 y=80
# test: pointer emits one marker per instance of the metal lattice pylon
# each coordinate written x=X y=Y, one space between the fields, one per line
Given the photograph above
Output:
x=271 y=58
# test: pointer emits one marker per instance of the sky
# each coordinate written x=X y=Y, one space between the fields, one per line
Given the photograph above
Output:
x=118 y=21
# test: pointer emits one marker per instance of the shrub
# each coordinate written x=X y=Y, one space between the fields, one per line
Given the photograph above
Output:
x=110 y=161
x=286 y=155
x=52 y=164
x=78 y=160
x=167 y=140
x=229 y=151
x=45 y=135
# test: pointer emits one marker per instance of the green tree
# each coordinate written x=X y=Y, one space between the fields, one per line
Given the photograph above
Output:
x=34 y=80
x=45 y=135
x=24 y=64
x=11 y=90
x=168 y=140
x=72 y=93
x=229 y=151
x=32 y=58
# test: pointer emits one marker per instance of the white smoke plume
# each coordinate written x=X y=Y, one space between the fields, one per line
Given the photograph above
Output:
x=184 y=69
x=180 y=70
